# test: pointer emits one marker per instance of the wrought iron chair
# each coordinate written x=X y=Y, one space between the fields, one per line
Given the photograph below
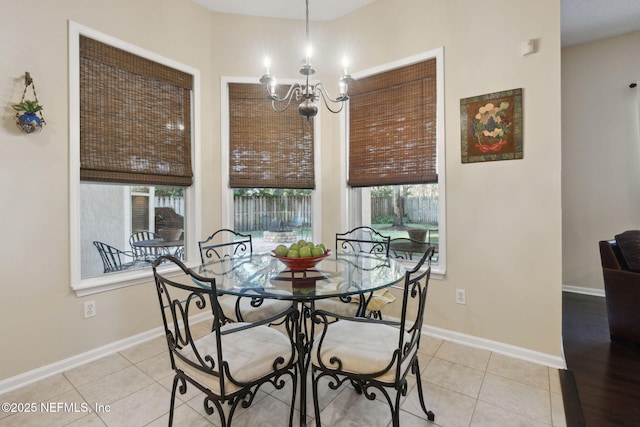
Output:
x=359 y=240
x=114 y=259
x=363 y=240
x=372 y=353
x=223 y=245
x=145 y=254
x=230 y=363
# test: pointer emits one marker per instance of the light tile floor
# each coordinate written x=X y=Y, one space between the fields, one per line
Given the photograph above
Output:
x=464 y=386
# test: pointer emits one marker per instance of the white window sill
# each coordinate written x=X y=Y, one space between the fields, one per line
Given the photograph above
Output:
x=437 y=272
x=108 y=282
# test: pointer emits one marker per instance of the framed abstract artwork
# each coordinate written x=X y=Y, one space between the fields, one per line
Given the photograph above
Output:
x=491 y=126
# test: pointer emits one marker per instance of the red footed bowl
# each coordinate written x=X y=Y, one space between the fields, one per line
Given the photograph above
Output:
x=301 y=263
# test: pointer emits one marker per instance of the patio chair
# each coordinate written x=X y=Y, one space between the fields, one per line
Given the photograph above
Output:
x=223 y=245
x=374 y=354
x=179 y=253
x=301 y=226
x=404 y=248
x=114 y=259
x=142 y=253
x=227 y=362
x=360 y=240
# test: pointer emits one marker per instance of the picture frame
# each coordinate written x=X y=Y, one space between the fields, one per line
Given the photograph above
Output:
x=491 y=127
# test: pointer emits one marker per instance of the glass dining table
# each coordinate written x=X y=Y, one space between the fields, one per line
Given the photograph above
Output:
x=336 y=276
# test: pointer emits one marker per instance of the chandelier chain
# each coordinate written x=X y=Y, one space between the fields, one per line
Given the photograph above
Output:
x=307 y=20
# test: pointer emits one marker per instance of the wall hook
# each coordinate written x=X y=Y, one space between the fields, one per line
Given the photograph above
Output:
x=27 y=110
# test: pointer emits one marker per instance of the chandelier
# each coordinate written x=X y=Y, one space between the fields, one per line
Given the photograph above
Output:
x=308 y=95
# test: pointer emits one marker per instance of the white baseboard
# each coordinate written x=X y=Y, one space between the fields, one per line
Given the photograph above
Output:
x=549 y=360
x=584 y=291
x=43 y=372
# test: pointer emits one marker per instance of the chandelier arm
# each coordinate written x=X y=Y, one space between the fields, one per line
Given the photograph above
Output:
x=274 y=105
x=292 y=89
x=328 y=101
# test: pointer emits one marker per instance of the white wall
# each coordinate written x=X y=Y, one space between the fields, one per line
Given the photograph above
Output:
x=503 y=217
x=600 y=152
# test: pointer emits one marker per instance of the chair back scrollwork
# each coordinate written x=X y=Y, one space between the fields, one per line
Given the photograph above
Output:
x=223 y=244
x=363 y=240
x=380 y=353
x=227 y=362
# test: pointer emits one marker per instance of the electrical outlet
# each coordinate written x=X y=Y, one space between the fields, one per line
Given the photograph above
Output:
x=461 y=296
x=89 y=309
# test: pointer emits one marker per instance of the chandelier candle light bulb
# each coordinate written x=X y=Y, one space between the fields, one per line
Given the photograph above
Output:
x=267 y=66
x=308 y=55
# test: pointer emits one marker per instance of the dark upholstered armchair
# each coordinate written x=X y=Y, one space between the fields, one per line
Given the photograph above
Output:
x=621 y=270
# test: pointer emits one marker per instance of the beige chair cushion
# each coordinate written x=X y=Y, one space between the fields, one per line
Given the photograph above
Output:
x=334 y=305
x=363 y=348
x=379 y=299
x=250 y=354
x=269 y=307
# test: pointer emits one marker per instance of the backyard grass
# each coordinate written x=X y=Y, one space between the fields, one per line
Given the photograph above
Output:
x=384 y=229
x=397 y=232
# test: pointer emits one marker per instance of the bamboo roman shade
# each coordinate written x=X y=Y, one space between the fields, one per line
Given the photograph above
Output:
x=392 y=127
x=135 y=118
x=267 y=149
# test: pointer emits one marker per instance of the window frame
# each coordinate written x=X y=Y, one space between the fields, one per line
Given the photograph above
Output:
x=227 y=191
x=358 y=207
x=107 y=282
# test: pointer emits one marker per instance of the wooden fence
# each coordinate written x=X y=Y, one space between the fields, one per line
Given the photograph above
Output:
x=419 y=210
x=260 y=212
x=176 y=203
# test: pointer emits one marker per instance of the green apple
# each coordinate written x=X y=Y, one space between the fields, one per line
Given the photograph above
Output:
x=321 y=245
x=294 y=247
x=281 y=250
x=293 y=253
x=301 y=242
x=305 y=252
x=317 y=251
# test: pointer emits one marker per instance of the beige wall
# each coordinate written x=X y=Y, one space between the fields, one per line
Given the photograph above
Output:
x=503 y=218
x=600 y=152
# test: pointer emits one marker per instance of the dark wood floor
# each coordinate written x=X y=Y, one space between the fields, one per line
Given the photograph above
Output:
x=607 y=374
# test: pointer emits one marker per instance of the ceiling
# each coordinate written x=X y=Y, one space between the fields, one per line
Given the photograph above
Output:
x=582 y=20
x=588 y=20
x=319 y=10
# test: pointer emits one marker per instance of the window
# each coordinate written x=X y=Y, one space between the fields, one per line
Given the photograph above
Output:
x=132 y=140
x=270 y=167
x=395 y=151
